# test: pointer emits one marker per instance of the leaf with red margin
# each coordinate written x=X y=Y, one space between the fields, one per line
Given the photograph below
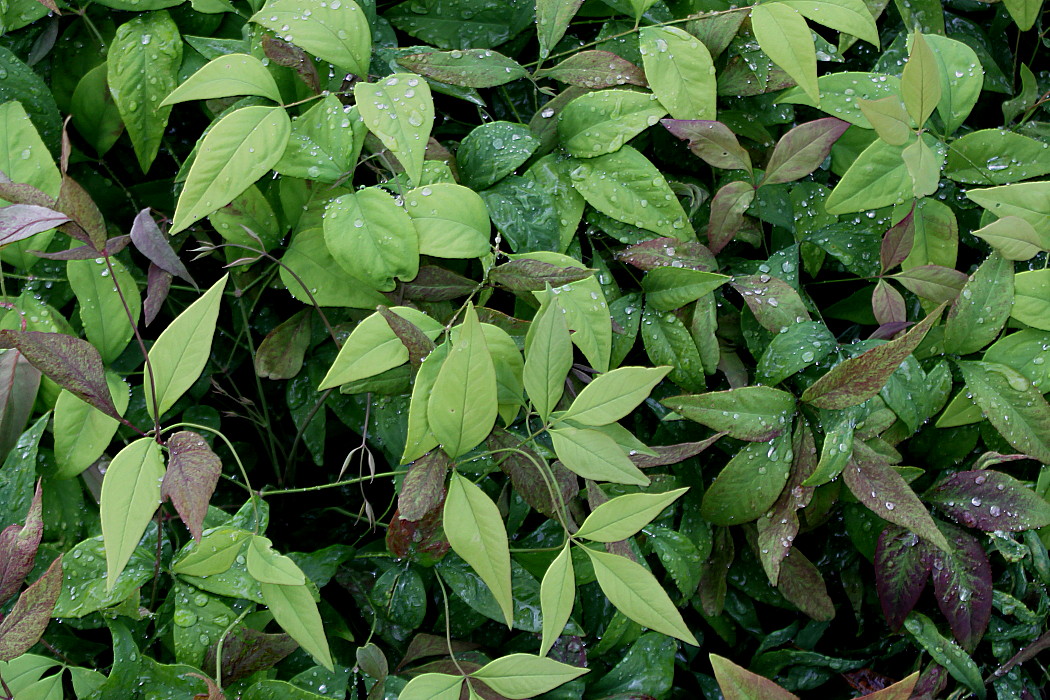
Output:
x=801 y=150
x=214 y=692
x=962 y=582
x=669 y=252
x=802 y=584
x=898 y=242
x=25 y=624
x=902 y=566
x=932 y=682
x=990 y=500
x=435 y=283
x=19 y=385
x=424 y=485
x=712 y=141
x=738 y=683
x=18 y=546
x=778 y=528
x=193 y=471
x=727 y=213
x=86 y=252
x=422 y=541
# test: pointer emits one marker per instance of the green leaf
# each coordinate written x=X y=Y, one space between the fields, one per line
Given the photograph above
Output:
x=1010 y=403
x=519 y=676
x=463 y=24
x=801 y=345
x=548 y=358
x=432 y=686
x=594 y=70
x=525 y=213
x=595 y=455
x=294 y=609
x=924 y=159
x=419 y=439
x=945 y=652
x=623 y=516
x=1021 y=351
x=637 y=594
x=86 y=588
x=476 y=532
x=214 y=554
x=102 y=307
x=325 y=142
x=95 y=115
x=668 y=342
x=180 y=353
x=400 y=111
x=142 y=68
x=679 y=69
x=737 y=683
x=267 y=566
x=750 y=483
x=373 y=347
x=802 y=149
x=933 y=282
x=877 y=178
x=130 y=496
x=227 y=76
x=996 y=157
x=982 y=308
x=452 y=221
x=475 y=68
x=82 y=432
x=308 y=262
x=889 y=118
x=552 y=19
x=753 y=413
x=336 y=31
x=557 y=596
x=238 y=150
x=626 y=186
x=775 y=303
x=1028 y=200
x=787 y=40
x=846 y=16
x=1024 y=12
x=920 y=81
x=1032 y=298
x=613 y=395
x=670 y=288
x=600 y=122
x=841 y=94
x=727 y=213
x=492 y=151
x=961 y=78
x=371 y=237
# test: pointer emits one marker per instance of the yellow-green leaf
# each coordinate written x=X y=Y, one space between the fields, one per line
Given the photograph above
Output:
x=786 y=38
x=920 y=81
x=294 y=609
x=557 y=596
x=130 y=496
x=623 y=516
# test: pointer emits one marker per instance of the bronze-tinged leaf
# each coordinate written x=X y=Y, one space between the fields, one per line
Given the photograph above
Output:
x=727 y=213
x=527 y=275
x=857 y=379
x=901 y=690
x=738 y=683
x=962 y=582
x=18 y=546
x=673 y=454
x=932 y=682
x=21 y=193
x=802 y=149
x=991 y=458
x=424 y=485
x=802 y=584
x=19 y=384
x=291 y=56
x=669 y=252
x=152 y=243
x=246 y=651
x=713 y=572
x=888 y=305
x=424 y=645
x=214 y=691
x=422 y=541
x=435 y=283
x=25 y=624
x=902 y=565
x=193 y=471
x=933 y=282
x=280 y=354
x=523 y=465
x=86 y=252
x=72 y=363
x=415 y=341
x=712 y=141
x=595 y=70
x=20 y=221
x=990 y=500
x=778 y=528
x=898 y=242
x=158 y=284
x=77 y=204
x=774 y=302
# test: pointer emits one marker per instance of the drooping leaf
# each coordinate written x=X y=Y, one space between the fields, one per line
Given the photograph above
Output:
x=407 y=97
x=433 y=686
x=1010 y=403
x=903 y=563
x=150 y=241
x=897 y=243
x=245 y=651
x=192 y=473
x=338 y=33
x=19 y=386
x=755 y=414
x=23 y=626
x=130 y=496
x=21 y=221
x=679 y=69
x=778 y=527
x=294 y=609
x=801 y=584
x=548 y=358
x=802 y=149
x=962 y=582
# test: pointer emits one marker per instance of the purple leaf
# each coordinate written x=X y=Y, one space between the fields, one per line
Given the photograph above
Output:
x=415 y=341
x=933 y=282
x=673 y=454
x=777 y=529
x=18 y=546
x=857 y=379
x=193 y=470
x=523 y=469
x=712 y=141
x=774 y=302
x=19 y=383
x=888 y=305
x=595 y=70
x=77 y=204
x=902 y=566
x=152 y=243
x=737 y=683
x=290 y=56
x=422 y=541
x=802 y=584
x=86 y=252
x=897 y=243
x=158 y=284
x=72 y=363
x=25 y=624
x=962 y=582
x=280 y=354
x=526 y=275
x=20 y=221
x=801 y=150
x=246 y=651
x=435 y=283
x=932 y=682
x=888 y=331
x=727 y=213
x=424 y=485
x=990 y=501
x=669 y=252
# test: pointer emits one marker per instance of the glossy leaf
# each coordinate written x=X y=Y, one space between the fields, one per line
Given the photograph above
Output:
x=213 y=554
x=371 y=237
x=407 y=97
x=877 y=178
x=749 y=484
x=1032 y=298
x=518 y=676
x=18 y=549
x=25 y=623
x=102 y=306
x=193 y=471
x=670 y=288
x=557 y=597
x=961 y=77
x=727 y=213
x=920 y=82
x=21 y=221
x=962 y=583
x=776 y=529
x=296 y=612
x=798 y=347
x=801 y=150
x=373 y=347
x=903 y=563
x=775 y=303
x=836 y=101
x=889 y=118
x=476 y=68
x=946 y=653
x=982 y=307
x=593 y=69
x=548 y=358
x=227 y=76
x=601 y=122
x=337 y=33
x=611 y=396
x=1010 y=403
x=755 y=414
x=492 y=151
x=424 y=486
x=313 y=276
x=990 y=501
x=711 y=140
x=452 y=221
x=623 y=516
x=679 y=70
x=151 y=242
x=267 y=566
x=1014 y=238
x=130 y=496
x=784 y=36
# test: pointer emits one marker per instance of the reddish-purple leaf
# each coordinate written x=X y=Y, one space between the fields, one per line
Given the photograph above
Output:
x=20 y=193
x=902 y=566
x=415 y=341
x=18 y=546
x=424 y=485
x=152 y=243
x=522 y=465
x=712 y=141
x=990 y=458
x=737 y=683
x=280 y=354
x=669 y=252
x=774 y=302
x=526 y=275
x=422 y=541
x=887 y=304
x=857 y=379
x=193 y=470
x=801 y=150
x=516 y=328
x=713 y=572
x=77 y=204
x=990 y=501
x=932 y=682
x=867 y=681
x=19 y=383
x=901 y=690
x=158 y=284
x=777 y=529
x=86 y=252
x=72 y=363
x=435 y=283
x=474 y=68
x=802 y=584
x=246 y=651
x=291 y=56
x=888 y=331
x=898 y=241
x=424 y=645
x=933 y=282
x=595 y=70
x=25 y=624
x=673 y=454
x=962 y=582
x=214 y=692
x=727 y=213
x=20 y=221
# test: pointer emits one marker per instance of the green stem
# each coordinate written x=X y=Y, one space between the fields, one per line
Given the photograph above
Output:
x=334 y=484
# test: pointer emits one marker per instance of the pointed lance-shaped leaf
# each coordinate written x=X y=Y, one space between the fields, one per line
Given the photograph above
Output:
x=193 y=471
x=775 y=303
x=424 y=486
x=594 y=70
x=77 y=204
x=669 y=252
x=72 y=363
x=802 y=584
x=1011 y=404
x=557 y=597
x=418 y=344
x=897 y=243
x=19 y=386
x=435 y=283
x=86 y=252
x=753 y=413
x=727 y=213
x=18 y=547
x=962 y=583
x=737 y=683
x=158 y=284
x=25 y=624
x=152 y=243
x=777 y=528
x=520 y=676
x=712 y=141
x=903 y=562
x=802 y=149
x=20 y=221
x=857 y=379
x=673 y=454
x=280 y=354
x=990 y=501
x=474 y=68
x=935 y=283
x=528 y=275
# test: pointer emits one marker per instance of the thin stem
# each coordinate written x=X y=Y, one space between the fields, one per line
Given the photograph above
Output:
x=448 y=627
x=269 y=434
x=334 y=484
x=218 y=646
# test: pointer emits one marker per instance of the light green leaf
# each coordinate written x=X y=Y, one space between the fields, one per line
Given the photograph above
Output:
x=371 y=237
x=552 y=19
x=750 y=483
x=1032 y=298
x=637 y=594
x=214 y=554
x=936 y=236
x=548 y=357
x=787 y=40
x=476 y=532
x=600 y=122
x=1010 y=403
x=267 y=566
x=623 y=516
x=432 y=686
x=239 y=149
x=520 y=676
x=920 y=81
x=924 y=163
x=142 y=68
x=846 y=16
x=961 y=78
x=452 y=221
x=878 y=178
x=227 y=76
x=628 y=187
x=679 y=69
x=557 y=596
x=996 y=157
x=841 y=94
x=24 y=157
x=336 y=31
x=130 y=496
x=1014 y=238
x=594 y=455
x=308 y=262
x=1024 y=12
x=945 y=652
x=419 y=438
x=889 y=118
x=1025 y=351
x=373 y=347
x=613 y=395
x=82 y=432
x=752 y=413
x=669 y=288
x=982 y=308
x=102 y=307
x=1027 y=200
x=180 y=353
x=400 y=111
x=463 y=406
x=325 y=143
x=294 y=609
